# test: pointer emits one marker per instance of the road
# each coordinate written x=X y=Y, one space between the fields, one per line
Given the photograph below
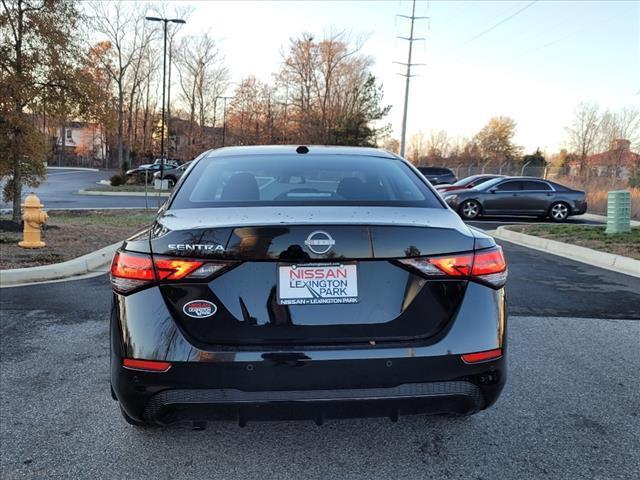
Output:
x=60 y=190
x=570 y=409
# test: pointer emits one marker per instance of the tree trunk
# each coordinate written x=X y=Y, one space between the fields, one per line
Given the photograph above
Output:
x=63 y=144
x=16 y=192
x=120 y=127
x=17 y=134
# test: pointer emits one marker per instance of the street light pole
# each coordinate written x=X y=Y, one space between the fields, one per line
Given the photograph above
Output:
x=164 y=89
x=165 y=21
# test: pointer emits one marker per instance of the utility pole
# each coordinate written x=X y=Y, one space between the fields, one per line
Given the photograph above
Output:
x=408 y=74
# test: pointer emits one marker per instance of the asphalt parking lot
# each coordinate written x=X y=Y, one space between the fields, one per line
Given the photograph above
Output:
x=570 y=409
x=60 y=190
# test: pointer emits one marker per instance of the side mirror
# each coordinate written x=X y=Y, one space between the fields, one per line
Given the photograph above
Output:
x=493 y=190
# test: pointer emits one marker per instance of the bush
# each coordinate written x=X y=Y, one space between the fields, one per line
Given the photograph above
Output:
x=116 y=180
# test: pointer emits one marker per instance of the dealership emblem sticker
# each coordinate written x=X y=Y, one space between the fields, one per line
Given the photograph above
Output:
x=319 y=242
x=199 y=309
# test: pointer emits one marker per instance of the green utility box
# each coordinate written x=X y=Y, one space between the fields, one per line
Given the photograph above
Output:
x=618 y=212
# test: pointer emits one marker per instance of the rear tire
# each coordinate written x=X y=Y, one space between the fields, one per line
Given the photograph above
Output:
x=131 y=421
x=470 y=209
x=559 y=211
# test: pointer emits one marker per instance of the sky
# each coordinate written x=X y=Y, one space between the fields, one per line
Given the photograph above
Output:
x=534 y=67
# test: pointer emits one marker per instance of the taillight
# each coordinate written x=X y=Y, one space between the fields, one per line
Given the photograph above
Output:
x=486 y=266
x=131 y=271
x=175 y=269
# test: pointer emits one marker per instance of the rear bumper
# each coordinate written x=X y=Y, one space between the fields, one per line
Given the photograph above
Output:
x=579 y=208
x=170 y=406
x=291 y=387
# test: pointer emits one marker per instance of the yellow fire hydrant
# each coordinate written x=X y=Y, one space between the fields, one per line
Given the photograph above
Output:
x=33 y=217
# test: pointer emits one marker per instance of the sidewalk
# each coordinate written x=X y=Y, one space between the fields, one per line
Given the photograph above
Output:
x=596 y=258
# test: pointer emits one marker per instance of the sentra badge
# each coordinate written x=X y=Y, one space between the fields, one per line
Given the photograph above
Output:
x=191 y=247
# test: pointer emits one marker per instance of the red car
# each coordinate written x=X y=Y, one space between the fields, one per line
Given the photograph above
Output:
x=468 y=182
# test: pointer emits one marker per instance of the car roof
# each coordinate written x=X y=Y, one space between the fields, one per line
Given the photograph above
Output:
x=426 y=167
x=291 y=149
x=526 y=178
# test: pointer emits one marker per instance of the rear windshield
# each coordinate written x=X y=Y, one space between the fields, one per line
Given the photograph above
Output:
x=291 y=180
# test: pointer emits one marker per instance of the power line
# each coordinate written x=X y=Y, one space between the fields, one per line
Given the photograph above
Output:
x=408 y=73
x=564 y=37
x=497 y=24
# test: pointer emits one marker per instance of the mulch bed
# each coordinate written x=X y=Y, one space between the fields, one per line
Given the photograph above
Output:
x=69 y=235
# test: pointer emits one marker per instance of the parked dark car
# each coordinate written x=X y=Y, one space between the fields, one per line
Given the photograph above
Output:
x=173 y=175
x=468 y=182
x=168 y=161
x=518 y=196
x=147 y=170
x=438 y=175
x=309 y=282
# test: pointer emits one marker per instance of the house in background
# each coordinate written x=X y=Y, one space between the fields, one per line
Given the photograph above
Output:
x=618 y=161
x=84 y=145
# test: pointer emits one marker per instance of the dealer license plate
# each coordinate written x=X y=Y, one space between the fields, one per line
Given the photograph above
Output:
x=317 y=284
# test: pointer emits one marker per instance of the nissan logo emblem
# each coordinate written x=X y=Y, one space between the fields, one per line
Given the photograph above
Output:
x=319 y=242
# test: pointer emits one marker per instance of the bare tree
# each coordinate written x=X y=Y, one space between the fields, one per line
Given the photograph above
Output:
x=127 y=36
x=618 y=131
x=328 y=89
x=584 y=131
x=202 y=78
x=417 y=147
x=438 y=146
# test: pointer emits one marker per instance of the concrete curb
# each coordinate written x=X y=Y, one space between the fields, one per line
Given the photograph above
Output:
x=152 y=193
x=97 y=261
x=603 y=218
x=617 y=263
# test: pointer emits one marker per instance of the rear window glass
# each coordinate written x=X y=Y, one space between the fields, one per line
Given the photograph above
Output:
x=509 y=186
x=302 y=180
x=533 y=185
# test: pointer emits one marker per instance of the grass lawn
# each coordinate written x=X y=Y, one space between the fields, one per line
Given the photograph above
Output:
x=626 y=244
x=70 y=234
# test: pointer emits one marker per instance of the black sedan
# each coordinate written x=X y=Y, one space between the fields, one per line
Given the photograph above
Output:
x=173 y=175
x=309 y=282
x=438 y=175
x=526 y=196
x=147 y=170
